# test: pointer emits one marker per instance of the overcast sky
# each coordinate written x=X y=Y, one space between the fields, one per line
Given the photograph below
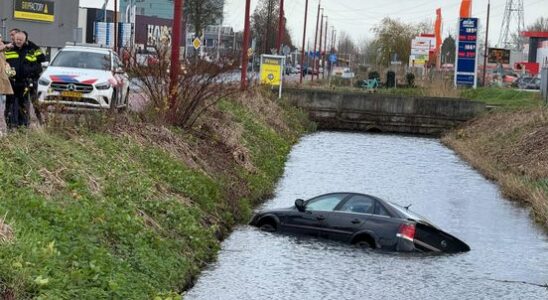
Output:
x=358 y=17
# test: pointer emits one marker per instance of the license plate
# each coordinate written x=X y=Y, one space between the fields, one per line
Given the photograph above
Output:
x=71 y=94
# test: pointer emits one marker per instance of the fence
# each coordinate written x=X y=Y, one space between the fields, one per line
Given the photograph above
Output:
x=544 y=84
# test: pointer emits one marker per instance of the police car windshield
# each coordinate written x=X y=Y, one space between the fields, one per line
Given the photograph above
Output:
x=82 y=60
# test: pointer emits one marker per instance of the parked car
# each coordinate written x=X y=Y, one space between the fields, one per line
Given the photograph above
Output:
x=528 y=83
x=84 y=77
x=360 y=219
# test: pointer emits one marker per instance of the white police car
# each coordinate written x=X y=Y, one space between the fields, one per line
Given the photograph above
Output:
x=84 y=77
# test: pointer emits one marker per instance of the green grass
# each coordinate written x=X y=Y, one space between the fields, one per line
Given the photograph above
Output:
x=502 y=98
x=88 y=237
x=97 y=216
x=269 y=149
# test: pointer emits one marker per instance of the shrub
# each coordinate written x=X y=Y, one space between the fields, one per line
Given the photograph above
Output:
x=374 y=74
x=410 y=78
x=200 y=84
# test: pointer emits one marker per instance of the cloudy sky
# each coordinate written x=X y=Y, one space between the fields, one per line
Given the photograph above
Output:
x=358 y=17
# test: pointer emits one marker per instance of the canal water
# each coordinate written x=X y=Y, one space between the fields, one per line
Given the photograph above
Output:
x=508 y=260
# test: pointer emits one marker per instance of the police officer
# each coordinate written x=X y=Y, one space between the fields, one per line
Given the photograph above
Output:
x=26 y=60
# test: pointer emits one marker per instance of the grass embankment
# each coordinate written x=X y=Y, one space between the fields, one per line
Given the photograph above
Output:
x=134 y=211
x=509 y=145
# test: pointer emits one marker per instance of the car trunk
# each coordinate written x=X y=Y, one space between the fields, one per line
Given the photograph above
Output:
x=430 y=239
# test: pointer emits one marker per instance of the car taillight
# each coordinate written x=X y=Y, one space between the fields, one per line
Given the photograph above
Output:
x=407 y=231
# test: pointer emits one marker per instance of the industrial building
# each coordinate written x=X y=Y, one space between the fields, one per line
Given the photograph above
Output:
x=49 y=24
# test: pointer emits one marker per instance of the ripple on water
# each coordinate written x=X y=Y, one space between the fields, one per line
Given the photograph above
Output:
x=506 y=247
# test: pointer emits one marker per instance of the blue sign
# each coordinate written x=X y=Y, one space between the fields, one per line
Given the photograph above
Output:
x=313 y=54
x=467 y=52
x=332 y=58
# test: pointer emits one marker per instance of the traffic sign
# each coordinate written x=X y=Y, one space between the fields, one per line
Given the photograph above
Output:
x=332 y=58
x=250 y=52
x=196 y=43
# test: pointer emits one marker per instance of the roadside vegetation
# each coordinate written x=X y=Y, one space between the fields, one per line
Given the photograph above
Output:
x=510 y=147
x=132 y=206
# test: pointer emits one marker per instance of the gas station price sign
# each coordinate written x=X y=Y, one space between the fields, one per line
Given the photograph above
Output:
x=467 y=52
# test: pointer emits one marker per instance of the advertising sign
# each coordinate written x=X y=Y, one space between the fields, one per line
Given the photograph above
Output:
x=467 y=52
x=272 y=70
x=498 y=56
x=35 y=10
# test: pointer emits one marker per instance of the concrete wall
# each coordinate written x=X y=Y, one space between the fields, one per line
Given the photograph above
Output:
x=45 y=34
x=386 y=113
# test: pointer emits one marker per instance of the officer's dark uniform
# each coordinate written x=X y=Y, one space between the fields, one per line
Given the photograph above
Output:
x=27 y=62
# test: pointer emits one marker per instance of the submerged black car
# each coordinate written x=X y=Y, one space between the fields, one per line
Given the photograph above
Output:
x=360 y=219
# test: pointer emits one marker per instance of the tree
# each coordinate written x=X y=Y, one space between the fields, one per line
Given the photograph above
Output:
x=393 y=37
x=540 y=25
x=448 y=50
x=264 y=26
x=201 y=13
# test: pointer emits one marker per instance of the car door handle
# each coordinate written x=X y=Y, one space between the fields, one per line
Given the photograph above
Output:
x=356 y=221
x=320 y=218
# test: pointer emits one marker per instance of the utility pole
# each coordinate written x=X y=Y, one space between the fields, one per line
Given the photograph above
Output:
x=245 y=46
x=486 y=42
x=267 y=27
x=175 y=52
x=315 y=41
x=320 y=47
x=280 y=28
x=116 y=26
x=324 y=49
x=304 y=39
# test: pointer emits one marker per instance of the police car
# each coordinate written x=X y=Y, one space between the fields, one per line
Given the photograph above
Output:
x=84 y=77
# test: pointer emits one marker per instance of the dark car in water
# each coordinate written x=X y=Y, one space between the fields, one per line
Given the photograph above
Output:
x=360 y=219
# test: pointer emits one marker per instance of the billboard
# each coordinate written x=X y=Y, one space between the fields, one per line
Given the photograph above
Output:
x=35 y=10
x=467 y=48
x=420 y=49
x=498 y=56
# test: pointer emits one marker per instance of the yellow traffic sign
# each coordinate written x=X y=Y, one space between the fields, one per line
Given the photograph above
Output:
x=196 y=43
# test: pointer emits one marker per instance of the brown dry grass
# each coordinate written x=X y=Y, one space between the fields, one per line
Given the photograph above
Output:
x=511 y=148
x=6 y=231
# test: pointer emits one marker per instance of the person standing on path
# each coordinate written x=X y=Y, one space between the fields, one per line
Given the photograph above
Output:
x=26 y=61
x=5 y=85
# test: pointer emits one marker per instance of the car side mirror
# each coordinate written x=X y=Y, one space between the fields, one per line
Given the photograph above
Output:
x=299 y=203
x=119 y=70
x=45 y=64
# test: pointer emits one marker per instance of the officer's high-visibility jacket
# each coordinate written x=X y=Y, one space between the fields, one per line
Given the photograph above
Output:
x=27 y=62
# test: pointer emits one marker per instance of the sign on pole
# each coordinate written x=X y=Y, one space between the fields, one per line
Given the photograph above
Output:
x=272 y=71
x=467 y=48
x=196 y=43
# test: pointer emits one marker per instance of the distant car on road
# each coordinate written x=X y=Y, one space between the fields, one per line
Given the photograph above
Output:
x=360 y=219
x=84 y=77
x=528 y=83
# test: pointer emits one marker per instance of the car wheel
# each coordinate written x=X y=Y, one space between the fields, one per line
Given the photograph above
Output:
x=364 y=242
x=267 y=226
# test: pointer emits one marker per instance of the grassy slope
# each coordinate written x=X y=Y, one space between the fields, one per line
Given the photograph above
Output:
x=102 y=215
x=509 y=145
